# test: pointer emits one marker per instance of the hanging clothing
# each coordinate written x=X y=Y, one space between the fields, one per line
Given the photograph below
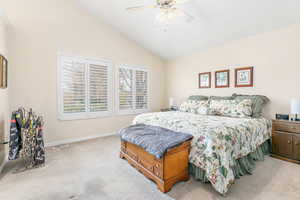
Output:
x=15 y=141
x=40 y=146
x=26 y=138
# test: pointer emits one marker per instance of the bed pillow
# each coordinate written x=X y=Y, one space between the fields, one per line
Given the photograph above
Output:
x=198 y=98
x=258 y=103
x=231 y=108
x=221 y=97
x=196 y=107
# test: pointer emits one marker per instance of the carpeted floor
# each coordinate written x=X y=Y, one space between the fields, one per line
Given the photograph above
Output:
x=92 y=170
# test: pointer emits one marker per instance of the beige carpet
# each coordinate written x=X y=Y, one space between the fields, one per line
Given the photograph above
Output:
x=92 y=170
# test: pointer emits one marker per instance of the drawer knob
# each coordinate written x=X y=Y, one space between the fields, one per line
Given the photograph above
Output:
x=289 y=142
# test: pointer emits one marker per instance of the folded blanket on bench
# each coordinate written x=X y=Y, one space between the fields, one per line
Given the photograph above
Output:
x=153 y=139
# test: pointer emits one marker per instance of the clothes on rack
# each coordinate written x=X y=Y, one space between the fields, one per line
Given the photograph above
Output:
x=26 y=138
x=15 y=142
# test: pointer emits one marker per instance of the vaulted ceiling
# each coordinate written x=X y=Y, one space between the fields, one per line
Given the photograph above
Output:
x=217 y=21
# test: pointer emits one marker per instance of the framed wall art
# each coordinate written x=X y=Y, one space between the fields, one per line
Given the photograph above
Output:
x=244 y=77
x=205 y=80
x=222 y=79
x=3 y=72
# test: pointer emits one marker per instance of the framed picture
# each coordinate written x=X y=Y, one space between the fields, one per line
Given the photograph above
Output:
x=205 y=80
x=222 y=79
x=244 y=77
x=3 y=72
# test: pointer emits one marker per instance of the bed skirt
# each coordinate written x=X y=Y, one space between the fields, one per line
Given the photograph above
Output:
x=243 y=166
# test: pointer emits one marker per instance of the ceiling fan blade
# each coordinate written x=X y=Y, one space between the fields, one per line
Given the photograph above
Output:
x=139 y=8
x=181 y=1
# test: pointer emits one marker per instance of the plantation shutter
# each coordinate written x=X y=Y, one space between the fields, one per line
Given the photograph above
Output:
x=141 y=81
x=98 y=88
x=133 y=89
x=73 y=86
x=126 y=89
x=85 y=88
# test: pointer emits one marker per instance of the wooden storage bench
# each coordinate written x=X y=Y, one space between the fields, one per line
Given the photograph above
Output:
x=165 y=172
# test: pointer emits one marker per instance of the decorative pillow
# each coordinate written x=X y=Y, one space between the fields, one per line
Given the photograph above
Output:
x=231 y=108
x=196 y=107
x=258 y=102
x=198 y=98
x=221 y=98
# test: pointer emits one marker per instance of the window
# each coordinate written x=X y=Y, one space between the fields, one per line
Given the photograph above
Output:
x=132 y=92
x=85 y=88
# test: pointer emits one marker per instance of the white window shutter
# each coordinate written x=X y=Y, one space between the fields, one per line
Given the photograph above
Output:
x=85 y=88
x=98 y=88
x=141 y=94
x=126 y=101
x=133 y=90
x=73 y=86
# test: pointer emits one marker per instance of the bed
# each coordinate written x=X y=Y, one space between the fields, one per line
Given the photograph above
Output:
x=223 y=147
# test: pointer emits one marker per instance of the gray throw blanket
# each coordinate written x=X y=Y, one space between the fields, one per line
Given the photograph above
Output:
x=153 y=139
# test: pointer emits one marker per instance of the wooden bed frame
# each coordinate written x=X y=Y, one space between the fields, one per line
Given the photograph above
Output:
x=165 y=172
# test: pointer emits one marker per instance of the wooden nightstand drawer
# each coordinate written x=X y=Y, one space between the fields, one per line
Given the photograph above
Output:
x=282 y=143
x=296 y=142
x=287 y=127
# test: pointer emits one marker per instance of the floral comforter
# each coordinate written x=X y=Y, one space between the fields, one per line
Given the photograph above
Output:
x=218 y=141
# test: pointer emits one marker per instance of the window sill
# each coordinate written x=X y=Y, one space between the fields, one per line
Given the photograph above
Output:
x=130 y=112
x=70 y=117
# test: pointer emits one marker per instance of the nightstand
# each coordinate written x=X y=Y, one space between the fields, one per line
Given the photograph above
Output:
x=165 y=110
x=286 y=140
x=168 y=109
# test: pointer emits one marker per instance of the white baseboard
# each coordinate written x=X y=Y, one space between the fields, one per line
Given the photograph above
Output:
x=69 y=141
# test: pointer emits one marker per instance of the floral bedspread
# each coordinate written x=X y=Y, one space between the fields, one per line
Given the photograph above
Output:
x=218 y=141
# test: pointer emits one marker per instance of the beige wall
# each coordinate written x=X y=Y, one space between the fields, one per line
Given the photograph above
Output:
x=39 y=30
x=3 y=95
x=274 y=55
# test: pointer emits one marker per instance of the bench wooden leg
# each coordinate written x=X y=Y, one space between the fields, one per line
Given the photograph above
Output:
x=166 y=186
x=122 y=155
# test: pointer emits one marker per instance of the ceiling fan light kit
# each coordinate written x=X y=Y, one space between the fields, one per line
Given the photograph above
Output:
x=167 y=15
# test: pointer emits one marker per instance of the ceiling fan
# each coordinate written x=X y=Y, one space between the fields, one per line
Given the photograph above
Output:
x=168 y=10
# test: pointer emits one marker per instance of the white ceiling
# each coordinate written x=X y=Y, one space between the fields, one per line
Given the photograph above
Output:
x=218 y=21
